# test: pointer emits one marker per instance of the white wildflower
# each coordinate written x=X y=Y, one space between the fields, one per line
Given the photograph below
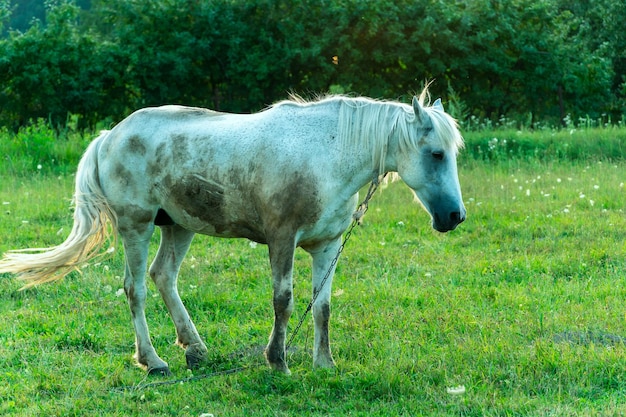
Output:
x=460 y=390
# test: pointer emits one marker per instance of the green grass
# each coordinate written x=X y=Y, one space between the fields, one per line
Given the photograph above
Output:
x=547 y=145
x=38 y=149
x=523 y=304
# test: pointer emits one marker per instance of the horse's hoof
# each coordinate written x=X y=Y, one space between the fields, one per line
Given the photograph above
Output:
x=195 y=355
x=276 y=361
x=323 y=360
x=280 y=368
x=324 y=364
x=163 y=371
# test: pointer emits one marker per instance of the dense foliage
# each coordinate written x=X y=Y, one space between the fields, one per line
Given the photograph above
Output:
x=530 y=60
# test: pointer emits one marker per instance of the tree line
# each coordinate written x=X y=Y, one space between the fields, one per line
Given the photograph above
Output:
x=527 y=60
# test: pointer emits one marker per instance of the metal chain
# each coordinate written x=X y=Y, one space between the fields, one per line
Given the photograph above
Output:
x=142 y=386
x=356 y=220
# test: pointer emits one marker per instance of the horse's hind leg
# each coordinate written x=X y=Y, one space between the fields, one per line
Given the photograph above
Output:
x=136 y=239
x=175 y=242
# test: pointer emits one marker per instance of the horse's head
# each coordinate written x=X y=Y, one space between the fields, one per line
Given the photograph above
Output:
x=427 y=163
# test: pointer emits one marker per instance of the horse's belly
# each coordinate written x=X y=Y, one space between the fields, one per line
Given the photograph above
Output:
x=207 y=207
x=218 y=228
x=232 y=207
x=214 y=223
x=211 y=219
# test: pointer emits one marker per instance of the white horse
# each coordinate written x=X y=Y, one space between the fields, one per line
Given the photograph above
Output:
x=287 y=177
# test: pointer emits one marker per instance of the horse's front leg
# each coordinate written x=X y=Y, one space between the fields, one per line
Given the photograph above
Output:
x=323 y=272
x=281 y=260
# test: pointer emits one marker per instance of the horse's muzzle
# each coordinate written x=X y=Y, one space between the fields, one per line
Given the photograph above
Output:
x=450 y=222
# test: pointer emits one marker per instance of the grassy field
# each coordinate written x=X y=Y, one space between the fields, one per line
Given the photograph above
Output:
x=522 y=305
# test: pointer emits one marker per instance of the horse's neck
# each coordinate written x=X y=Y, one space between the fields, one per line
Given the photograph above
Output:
x=369 y=141
x=358 y=167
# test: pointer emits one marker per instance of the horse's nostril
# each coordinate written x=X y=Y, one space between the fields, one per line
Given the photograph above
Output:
x=456 y=217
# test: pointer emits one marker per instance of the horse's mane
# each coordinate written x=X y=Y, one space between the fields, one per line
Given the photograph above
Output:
x=378 y=120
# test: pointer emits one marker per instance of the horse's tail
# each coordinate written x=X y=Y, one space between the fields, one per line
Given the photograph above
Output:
x=89 y=232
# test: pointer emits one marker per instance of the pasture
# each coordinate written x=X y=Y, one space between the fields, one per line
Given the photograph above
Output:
x=522 y=305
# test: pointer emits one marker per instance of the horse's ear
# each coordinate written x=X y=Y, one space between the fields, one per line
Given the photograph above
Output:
x=420 y=114
x=437 y=105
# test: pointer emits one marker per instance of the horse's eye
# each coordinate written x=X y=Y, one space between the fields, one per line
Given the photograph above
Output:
x=438 y=155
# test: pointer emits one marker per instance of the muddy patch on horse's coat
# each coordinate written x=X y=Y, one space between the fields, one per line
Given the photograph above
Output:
x=122 y=174
x=135 y=144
